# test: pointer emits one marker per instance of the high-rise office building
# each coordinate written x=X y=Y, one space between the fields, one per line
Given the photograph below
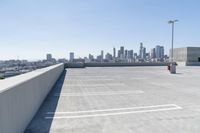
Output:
x=114 y=53
x=71 y=56
x=122 y=51
x=126 y=54
x=143 y=53
x=49 y=57
x=159 y=50
x=130 y=54
x=102 y=55
x=153 y=53
x=140 y=51
x=162 y=52
x=91 y=57
x=118 y=54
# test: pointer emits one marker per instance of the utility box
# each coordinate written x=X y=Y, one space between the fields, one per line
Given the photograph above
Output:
x=173 y=68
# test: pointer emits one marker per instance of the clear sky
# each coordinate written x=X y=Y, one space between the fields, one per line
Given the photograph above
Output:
x=31 y=28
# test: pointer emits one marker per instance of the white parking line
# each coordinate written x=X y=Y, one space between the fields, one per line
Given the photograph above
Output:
x=88 y=76
x=117 y=109
x=98 y=93
x=145 y=109
x=70 y=80
x=94 y=85
x=138 y=78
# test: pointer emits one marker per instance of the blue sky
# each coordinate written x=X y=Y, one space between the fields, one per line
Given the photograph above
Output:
x=31 y=28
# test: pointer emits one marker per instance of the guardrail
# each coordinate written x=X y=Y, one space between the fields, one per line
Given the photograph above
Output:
x=21 y=97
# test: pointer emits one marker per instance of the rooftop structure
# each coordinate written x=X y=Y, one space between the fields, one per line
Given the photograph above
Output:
x=187 y=55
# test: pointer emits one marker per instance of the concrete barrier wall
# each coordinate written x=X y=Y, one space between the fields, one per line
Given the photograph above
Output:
x=192 y=63
x=21 y=97
x=125 y=64
x=75 y=65
x=116 y=64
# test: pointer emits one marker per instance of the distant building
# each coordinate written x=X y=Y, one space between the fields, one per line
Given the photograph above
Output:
x=63 y=60
x=49 y=57
x=135 y=56
x=159 y=52
x=102 y=56
x=114 y=53
x=108 y=57
x=162 y=52
x=153 y=53
x=99 y=58
x=122 y=52
x=91 y=57
x=147 y=56
x=186 y=55
x=143 y=53
x=118 y=54
x=140 y=50
x=130 y=54
x=126 y=54
x=79 y=60
x=71 y=56
x=87 y=60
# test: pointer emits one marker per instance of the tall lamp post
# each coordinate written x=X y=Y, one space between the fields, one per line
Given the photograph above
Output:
x=173 y=65
x=172 y=50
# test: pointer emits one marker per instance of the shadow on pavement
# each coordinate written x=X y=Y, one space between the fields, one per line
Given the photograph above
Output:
x=39 y=123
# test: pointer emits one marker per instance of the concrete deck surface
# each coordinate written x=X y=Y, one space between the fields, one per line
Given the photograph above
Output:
x=122 y=100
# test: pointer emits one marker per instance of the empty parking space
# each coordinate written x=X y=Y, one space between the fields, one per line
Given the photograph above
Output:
x=122 y=99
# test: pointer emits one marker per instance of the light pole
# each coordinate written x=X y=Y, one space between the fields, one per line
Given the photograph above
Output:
x=172 y=50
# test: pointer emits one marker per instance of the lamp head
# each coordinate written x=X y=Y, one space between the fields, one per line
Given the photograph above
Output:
x=172 y=21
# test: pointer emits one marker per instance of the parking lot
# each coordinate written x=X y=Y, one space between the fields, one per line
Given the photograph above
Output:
x=122 y=100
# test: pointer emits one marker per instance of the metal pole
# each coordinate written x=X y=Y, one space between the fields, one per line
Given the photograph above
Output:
x=172 y=41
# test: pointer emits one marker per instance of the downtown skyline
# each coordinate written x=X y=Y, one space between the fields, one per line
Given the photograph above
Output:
x=30 y=29
x=124 y=53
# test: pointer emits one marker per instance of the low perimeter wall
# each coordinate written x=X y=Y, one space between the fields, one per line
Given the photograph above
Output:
x=126 y=64
x=188 y=63
x=116 y=64
x=21 y=97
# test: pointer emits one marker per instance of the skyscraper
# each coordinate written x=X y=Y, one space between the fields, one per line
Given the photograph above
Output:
x=49 y=57
x=162 y=52
x=118 y=54
x=71 y=56
x=143 y=53
x=122 y=51
x=91 y=57
x=140 y=51
x=126 y=54
x=114 y=52
x=159 y=50
x=153 y=53
x=130 y=54
x=102 y=56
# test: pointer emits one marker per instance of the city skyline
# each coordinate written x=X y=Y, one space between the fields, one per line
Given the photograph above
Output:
x=114 y=53
x=124 y=55
x=30 y=29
